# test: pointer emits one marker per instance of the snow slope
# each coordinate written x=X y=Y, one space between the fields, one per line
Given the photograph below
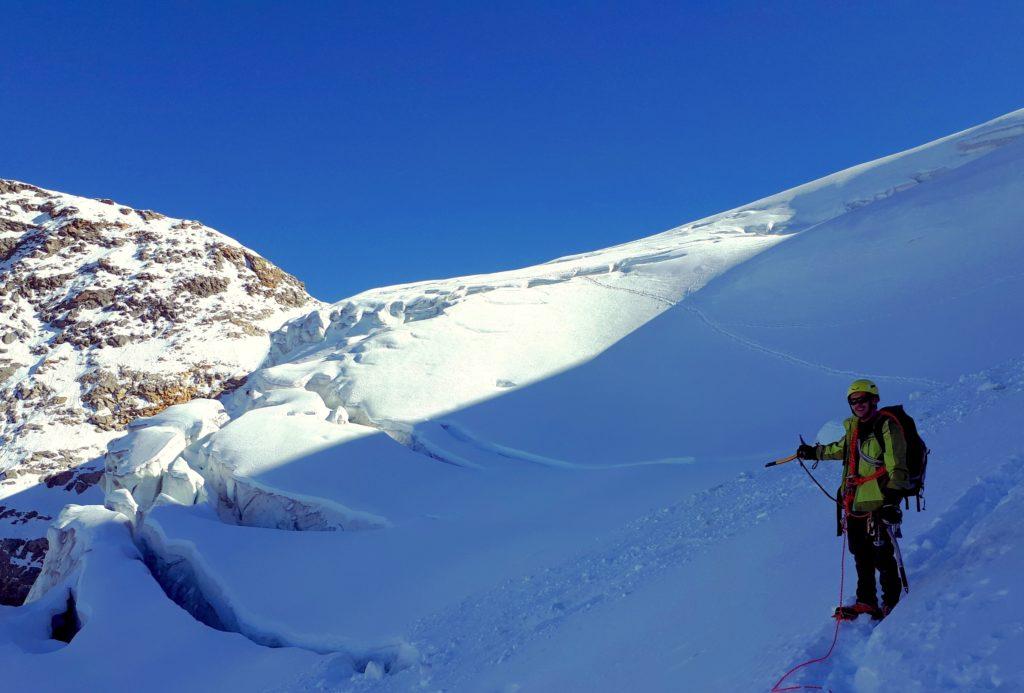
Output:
x=551 y=478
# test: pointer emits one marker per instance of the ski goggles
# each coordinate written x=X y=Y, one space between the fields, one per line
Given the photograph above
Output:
x=854 y=401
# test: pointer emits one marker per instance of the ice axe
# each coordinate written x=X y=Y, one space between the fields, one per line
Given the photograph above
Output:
x=899 y=557
x=784 y=460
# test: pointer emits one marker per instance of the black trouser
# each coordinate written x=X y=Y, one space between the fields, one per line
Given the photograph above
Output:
x=861 y=535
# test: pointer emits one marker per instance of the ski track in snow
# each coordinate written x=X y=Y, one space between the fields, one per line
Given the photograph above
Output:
x=756 y=346
x=637 y=292
x=796 y=360
x=463 y=435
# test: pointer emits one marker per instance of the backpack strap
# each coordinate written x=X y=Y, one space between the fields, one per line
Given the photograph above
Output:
x=877 y=431
x=879 y=422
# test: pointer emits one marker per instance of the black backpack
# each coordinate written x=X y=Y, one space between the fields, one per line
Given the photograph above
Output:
x=917 y=451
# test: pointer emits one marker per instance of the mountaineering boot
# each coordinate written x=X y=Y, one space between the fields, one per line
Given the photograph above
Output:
x=851 y=611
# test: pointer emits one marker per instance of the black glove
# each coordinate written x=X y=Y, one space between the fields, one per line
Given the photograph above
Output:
x=890 y=497
x=806 y=452
x=891 y=514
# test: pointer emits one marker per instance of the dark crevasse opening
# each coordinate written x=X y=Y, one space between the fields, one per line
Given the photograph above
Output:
x=179 y=582
x=184 y=585
x=65 y=625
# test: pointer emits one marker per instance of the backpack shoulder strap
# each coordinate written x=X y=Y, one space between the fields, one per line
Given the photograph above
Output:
x=879 y=422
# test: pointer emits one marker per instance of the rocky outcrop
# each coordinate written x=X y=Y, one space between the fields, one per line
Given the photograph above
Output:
x=204 y=286
x=74 y=480
x=269 y=281
x=109 y=314
x=20 y=563
x=118 y=399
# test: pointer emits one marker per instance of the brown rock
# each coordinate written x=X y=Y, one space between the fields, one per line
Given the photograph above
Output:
x=91 y=298
x=57 y=210
x=204 y=286
x=12 y=186
x=59 y=479
x=149 y=215
x=20 y=563
x=8 y=369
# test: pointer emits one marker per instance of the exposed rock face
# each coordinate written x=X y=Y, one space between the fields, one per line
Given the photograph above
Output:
x=118 y=399
x=20 y=563
x=108 y=314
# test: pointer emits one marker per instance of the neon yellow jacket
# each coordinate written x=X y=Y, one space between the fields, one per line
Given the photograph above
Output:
x=870 y=496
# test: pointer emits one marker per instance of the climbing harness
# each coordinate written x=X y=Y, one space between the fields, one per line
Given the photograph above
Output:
x=851 y=483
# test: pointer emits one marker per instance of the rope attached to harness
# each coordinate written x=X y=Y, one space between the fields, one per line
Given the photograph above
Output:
x=835 y=637
x=852 y=482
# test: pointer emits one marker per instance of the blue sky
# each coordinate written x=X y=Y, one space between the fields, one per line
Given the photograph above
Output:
x=364 y=144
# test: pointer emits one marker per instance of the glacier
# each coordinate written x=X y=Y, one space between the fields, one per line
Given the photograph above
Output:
x=552 y=478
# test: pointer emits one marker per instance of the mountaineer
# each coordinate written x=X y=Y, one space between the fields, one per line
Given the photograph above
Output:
x=876 y=477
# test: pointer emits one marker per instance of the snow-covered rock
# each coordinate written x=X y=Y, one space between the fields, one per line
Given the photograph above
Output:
x=108 y=314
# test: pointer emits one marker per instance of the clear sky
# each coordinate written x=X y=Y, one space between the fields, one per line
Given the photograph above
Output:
x=364 y=144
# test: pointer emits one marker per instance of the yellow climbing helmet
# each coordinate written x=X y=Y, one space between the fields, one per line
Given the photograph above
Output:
x=862 y=386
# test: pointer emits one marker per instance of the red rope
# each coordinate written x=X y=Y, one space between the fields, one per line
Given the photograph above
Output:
x=851 y=475
x=852 y=481
x=835 y=636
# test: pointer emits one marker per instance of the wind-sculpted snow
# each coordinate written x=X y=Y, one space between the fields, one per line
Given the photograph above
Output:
x=147 y=462
x=189 y=580
x=763 y=544
x=122 y=609
x=476 y=337
x=284 y=425
x=670 y=349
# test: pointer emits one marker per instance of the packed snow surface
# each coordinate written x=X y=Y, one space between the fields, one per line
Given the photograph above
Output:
x=552 y=478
